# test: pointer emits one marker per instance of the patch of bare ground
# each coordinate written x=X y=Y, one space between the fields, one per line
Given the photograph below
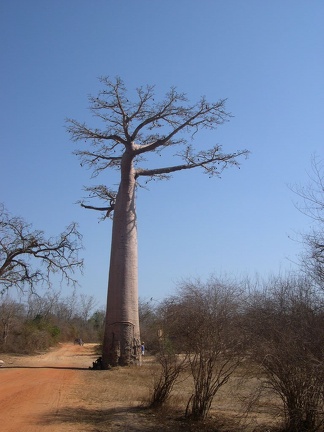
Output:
x=57 y=392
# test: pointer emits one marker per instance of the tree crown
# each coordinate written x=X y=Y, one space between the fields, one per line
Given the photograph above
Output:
x=144 y=126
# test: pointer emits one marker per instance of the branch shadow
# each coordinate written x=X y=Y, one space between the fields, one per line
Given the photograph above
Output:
x=130 y=419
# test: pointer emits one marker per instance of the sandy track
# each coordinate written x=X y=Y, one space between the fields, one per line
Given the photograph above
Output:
x=33 y=390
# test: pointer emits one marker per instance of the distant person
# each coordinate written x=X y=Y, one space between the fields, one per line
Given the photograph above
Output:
x=143 y=348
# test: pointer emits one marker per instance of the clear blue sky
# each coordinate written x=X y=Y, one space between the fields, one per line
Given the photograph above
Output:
x=266 y=57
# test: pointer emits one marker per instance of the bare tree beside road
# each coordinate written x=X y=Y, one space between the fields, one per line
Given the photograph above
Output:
x=27 y=257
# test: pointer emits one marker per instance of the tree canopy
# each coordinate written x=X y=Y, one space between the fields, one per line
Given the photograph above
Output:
x=147 y=126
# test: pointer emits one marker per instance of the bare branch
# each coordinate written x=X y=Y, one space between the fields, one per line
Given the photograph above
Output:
x=313 y=193
x=20 y=245
x=79 y=131
x=312 y=259
x=213 y=163
x=145 y=126
x=102 y=193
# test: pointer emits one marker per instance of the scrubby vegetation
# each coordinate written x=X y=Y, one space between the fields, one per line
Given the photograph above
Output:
x=274 y=330
x=39 y=322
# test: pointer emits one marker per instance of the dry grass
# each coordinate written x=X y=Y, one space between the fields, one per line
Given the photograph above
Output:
x=116 y=400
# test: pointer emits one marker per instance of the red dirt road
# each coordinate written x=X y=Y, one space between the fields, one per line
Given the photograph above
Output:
x=34 y=389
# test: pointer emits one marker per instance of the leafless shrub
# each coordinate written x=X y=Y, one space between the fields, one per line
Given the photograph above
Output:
x=286 y=325
x=201 y=322
x=171 y=367
x=312 y=205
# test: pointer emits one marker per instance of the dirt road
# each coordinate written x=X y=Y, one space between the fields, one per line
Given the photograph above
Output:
x=57 y=392
x=33 y=390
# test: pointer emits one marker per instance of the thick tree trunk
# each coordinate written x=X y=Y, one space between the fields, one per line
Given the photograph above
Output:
x=122 y=335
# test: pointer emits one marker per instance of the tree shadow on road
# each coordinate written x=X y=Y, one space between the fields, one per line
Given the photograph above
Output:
x=48 y=367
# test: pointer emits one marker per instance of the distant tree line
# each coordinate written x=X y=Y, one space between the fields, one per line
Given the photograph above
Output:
x=28 y=260
x=36 y=322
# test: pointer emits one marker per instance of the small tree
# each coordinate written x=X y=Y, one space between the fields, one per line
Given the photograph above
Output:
x=204 y=326
x=286 y=333
x=313 y=206
x=97 y=322
x=21 y=248
x=10 y=315
x=172 y=366
x=131 y=132
x=149 y=324
x=168 y=352
x=213 y=341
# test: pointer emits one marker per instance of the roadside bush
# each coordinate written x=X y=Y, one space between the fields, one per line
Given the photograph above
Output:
x=201 y=323
x=286 y=327
x=171 y=367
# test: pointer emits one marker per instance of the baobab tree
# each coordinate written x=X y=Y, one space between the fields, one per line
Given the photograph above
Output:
x=132 y=131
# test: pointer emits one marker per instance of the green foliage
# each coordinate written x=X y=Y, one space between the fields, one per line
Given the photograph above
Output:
x=42 y=322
